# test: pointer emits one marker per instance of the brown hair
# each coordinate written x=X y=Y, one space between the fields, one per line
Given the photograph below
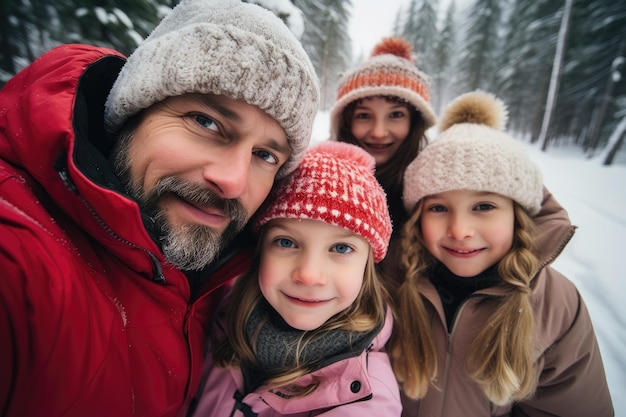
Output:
x=391 y=174
x=500 y=361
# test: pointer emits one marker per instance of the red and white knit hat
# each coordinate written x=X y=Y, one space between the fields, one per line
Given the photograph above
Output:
x=390 y=71
x=335 y=184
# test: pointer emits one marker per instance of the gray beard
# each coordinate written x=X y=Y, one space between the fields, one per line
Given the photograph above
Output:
x=192 y=247
x=188 y=247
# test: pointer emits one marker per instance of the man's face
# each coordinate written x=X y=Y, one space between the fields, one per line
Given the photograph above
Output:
x=201 y=165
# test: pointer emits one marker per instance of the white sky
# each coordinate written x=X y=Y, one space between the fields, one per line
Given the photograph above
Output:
x=595 y=199
x=371 y=21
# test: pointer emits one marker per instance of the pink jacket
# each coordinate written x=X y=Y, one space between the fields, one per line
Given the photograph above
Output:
x=360 y=386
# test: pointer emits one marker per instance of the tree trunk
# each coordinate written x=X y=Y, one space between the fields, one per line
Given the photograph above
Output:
x=615 y=142
x=556 y=74
x=599 y=116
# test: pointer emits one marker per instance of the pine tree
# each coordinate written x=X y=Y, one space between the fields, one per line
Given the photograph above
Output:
x=480 y=46
x=420 y=29
x=525 y=62
x=326 y=41
x=592 y=87
x=118 y=24
x=30 y=28
x=442 y=57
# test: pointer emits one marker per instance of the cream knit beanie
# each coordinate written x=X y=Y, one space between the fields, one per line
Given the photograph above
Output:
x=222 y=47
x=473 y=153
x=390 y=71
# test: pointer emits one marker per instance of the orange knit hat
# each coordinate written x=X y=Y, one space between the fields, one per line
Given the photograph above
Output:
x=390 y=71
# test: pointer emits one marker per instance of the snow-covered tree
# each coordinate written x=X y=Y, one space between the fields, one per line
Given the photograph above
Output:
x=526 y=57
x=326 y=41
x=28 y=28
x=419 y=27
x=480 y=45
x=443 y=54
x=555 y=76
x=287 y=11
x=592 y=85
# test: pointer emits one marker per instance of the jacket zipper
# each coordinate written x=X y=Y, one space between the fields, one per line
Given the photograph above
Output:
x=157 y=271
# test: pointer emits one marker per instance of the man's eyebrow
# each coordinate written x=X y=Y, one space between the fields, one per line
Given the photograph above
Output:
x=215 y=105
x=232 y=115
x=279 y=147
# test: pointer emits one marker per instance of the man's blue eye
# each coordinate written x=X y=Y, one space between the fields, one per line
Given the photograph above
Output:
x=205 y=122
x=267 y=156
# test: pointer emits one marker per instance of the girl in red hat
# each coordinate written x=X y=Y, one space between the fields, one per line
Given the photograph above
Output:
x=302 y=333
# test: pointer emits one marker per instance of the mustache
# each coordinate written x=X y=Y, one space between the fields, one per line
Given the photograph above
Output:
x=198 y=196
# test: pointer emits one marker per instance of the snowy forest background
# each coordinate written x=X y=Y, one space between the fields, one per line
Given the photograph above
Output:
x=557 y=64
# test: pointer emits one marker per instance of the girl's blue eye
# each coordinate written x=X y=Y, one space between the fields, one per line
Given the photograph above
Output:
x=285 y=243
x=484 y=207
x=205 y=122
x=437 y=208
x=342 y=248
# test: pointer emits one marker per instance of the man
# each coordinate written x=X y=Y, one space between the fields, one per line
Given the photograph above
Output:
x=119 y=195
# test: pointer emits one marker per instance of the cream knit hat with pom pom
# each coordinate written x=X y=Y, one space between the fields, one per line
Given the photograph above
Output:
x=222 y=47
x=473 y=153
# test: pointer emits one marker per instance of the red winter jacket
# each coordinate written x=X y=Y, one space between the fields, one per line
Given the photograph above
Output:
x=93 y=322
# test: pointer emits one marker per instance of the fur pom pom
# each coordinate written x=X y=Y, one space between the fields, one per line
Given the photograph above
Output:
x=477 y=107
x=395 y=46
x=348 y=152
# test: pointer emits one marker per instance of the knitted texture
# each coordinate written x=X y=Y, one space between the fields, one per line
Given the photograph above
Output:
x=276 y=341
x=390 y=71
x=222 y=47
x=472 y=153
x=335 y=184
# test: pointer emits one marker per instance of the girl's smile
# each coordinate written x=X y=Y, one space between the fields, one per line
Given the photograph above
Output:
x=310 y=270
x=468 y=231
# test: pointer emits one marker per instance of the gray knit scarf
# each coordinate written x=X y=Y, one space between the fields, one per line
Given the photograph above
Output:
x=276 y=345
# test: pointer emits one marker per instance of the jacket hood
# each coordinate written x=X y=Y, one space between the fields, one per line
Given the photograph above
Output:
x=51 y=128
x=554 y=227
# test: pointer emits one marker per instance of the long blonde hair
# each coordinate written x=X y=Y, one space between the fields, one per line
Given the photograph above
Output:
x=501 y=356
x=366 y=313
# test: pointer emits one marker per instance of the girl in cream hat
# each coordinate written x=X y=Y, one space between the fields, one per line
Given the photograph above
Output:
x=486 y=327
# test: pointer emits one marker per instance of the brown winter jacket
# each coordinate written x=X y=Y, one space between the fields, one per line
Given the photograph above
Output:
x=572 y=382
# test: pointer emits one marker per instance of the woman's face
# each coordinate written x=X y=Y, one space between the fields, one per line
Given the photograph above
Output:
x=380 y=125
